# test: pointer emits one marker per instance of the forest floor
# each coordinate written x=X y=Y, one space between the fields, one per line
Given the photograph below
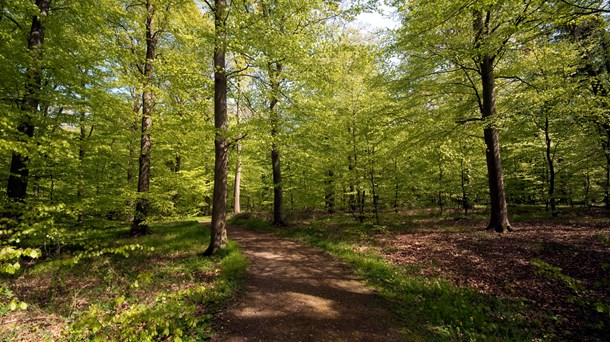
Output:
x=559 y=267
x=548 y=280
x=299 y=293
x=97 y=283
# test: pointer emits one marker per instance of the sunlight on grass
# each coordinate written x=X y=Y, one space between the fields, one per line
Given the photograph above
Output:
x=163 y=290
x=430 y=308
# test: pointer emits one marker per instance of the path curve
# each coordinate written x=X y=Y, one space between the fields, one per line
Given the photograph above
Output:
x=297 y=293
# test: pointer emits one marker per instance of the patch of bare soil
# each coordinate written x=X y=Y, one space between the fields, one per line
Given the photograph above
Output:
x=501 y=265
x=298 y=293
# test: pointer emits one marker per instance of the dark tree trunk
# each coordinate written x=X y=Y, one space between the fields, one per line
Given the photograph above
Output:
x=550 y=161
x=218 y=230
x=80 y=193
x=440 y=184
x=499 y=211
x=139 y=226
x=396 y=185
x=606 y=148
x=465 y=180
x=329 y=198
x=17 y=184
x=607 y=183
x=275 y=70
x=361 y=202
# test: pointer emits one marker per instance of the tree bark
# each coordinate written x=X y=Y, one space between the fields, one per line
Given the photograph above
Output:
x=80 y=192
x=373 y=187
x=329 y=198
x=396 y=185
x=139 y=226
x=17 y=184
x=440 y=183
x=218 y=231
x=499 y=211
x=550 y=161
x=275 y=70
x=237 y=183
x=465 y=180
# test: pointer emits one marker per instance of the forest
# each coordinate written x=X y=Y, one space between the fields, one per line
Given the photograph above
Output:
x=458 y=161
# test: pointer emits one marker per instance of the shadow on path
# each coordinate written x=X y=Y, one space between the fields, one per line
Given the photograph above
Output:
x=296 y=293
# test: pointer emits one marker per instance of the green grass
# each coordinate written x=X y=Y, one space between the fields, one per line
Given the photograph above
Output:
x=430 y=308
x=156 y=287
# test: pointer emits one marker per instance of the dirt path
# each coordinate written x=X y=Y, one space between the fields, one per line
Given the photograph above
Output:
x=296 y=293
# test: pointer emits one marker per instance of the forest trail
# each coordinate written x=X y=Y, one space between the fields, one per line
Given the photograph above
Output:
x=297 y=293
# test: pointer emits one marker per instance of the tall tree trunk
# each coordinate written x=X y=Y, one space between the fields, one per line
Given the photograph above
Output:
x=440 y=183
x=373 y=187
x=352 y=162
x=275 y=70
x=550 y=161
x=139 y=226
x=218 y=231
x=329 y=198
x=605 y=128
x=499 y=211
x=237 y=183
x=17 y=184
x=396 y=185
x=80 y=192
x=465 y=180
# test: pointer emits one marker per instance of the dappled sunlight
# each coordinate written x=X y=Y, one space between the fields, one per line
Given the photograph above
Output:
x=295 y=292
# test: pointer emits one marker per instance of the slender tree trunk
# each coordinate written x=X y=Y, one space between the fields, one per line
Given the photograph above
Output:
x=330 y=192
x=237 y=183
x=361 y=202
x=499 y=210
x=440 y=184
x=465 y=180
x=373 y=187
x=139 y=226
x=218 y=230
x=587 y=189
x=80 y=192
x=396 y=185
x=275 y=70
x=606 y=148
x=17 y=184
x=607 y=183
x=352 y=161
x=550 y=161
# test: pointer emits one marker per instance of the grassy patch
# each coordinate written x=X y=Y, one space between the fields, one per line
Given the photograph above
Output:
x=429 y=307
x=161 y=290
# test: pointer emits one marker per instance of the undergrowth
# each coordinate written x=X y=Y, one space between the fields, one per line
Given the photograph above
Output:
x=164 y=290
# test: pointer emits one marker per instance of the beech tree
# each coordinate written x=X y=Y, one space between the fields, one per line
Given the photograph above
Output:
x=472 y=42
x=19 y=170
x=218 y=237
x=139 y=227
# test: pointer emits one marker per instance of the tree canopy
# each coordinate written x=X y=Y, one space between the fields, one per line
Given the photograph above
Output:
x=108 y=108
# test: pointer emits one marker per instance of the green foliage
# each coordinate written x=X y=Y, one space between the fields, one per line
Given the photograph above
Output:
x=164 y=290
x=582 y=295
